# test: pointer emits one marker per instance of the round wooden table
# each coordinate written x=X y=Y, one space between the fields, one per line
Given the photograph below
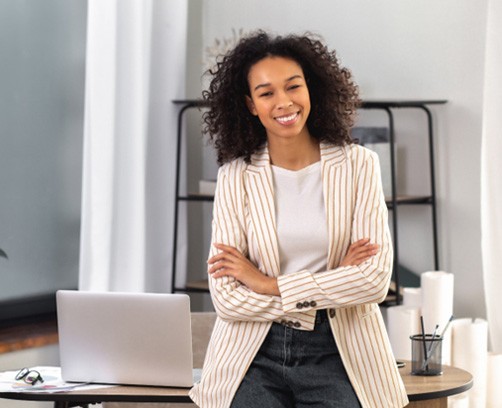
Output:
x=433 y=391
x=423 y=391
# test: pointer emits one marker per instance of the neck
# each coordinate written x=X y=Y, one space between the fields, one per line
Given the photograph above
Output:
x=294 y=156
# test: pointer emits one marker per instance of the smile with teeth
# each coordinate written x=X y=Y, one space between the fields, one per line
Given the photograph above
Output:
x=287 y=120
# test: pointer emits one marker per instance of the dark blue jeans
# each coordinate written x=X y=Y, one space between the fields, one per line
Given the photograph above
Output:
x=296 y=368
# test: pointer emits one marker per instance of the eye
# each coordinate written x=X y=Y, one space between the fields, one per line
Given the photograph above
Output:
x=265 y=94
x=292 y=87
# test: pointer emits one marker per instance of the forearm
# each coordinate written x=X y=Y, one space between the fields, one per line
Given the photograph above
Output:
x=341 y=287
x=265 y=286
x=234 y=301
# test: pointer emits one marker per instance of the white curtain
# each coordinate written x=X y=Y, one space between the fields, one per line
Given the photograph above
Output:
x=491 y=184
x=135 y=67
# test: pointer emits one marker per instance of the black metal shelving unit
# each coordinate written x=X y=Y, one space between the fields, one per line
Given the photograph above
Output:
x=393 y=202
x=199 y=286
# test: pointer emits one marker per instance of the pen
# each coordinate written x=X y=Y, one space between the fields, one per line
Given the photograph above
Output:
x=426 y=358
x=436 y=344
x=433 y=337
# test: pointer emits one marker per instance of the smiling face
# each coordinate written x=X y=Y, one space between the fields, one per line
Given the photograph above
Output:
x=280 y=98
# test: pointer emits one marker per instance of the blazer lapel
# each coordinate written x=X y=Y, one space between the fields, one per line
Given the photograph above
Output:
x=337 y=190
x=260 y=188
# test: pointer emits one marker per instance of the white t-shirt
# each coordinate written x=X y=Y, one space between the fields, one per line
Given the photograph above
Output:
x=302 y=231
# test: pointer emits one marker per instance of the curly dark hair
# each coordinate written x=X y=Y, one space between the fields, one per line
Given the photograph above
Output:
x=334 y=97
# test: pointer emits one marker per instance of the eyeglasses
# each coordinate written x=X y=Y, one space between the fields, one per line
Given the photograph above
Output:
x=29 y=376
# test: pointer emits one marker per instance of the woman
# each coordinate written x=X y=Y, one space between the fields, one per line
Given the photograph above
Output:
x=301 y=252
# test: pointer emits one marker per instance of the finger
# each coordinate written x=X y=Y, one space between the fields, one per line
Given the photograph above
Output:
x=218 y=257
x=366 y=252
x=221 y=273
x=220 y=265
x=362 y=257
x=370 y=248
x=214 y=259
x=227 y=248
x=361 y=242
x=213 y=269
x=221 y=256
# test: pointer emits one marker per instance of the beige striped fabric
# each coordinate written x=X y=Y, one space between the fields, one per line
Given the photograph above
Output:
x=244 y=217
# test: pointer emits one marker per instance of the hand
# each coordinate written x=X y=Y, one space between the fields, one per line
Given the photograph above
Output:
x=230 y=262
x=359 y=252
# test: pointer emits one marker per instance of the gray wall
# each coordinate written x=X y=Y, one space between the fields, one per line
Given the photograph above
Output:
x=42 y=48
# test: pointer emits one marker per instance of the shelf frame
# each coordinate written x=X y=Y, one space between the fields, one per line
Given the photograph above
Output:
x=387 y=106
x=185 y=105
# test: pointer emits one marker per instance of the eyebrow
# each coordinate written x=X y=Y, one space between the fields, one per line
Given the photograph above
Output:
x=268 y=83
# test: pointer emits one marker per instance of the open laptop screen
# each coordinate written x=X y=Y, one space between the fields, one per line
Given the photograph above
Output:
x=125 y=338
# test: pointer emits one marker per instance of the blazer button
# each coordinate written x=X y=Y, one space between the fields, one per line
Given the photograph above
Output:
x=332 y=313
x=290 y=323
x=284 y=322
x=299 y=305
x=297 y=324
x=313 y=303
x=306 y=304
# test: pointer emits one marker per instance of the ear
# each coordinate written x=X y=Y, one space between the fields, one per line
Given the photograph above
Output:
x=250 y=105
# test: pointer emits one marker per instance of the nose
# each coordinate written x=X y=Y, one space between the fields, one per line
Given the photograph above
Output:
x=285 y=105
x=284 y=101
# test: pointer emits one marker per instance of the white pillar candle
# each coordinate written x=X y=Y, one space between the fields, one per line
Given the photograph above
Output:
x=412 y=297
x=402 y=322
x=470 y=352
x=437 y=306
x=494 y=381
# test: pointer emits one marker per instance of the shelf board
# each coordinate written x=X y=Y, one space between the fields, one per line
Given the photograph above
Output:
x=390 y=300
x=401 y=199
x=191 y=102
x=401 y=103
x=409 y=199
x=366 y=104
x=392 y=289
x=196 y=197
x=194 y=286
x=199 y=284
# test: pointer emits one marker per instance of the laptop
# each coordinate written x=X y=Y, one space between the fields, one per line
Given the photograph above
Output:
x=125 y=338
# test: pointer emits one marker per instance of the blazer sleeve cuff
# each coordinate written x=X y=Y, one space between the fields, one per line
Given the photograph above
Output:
x=299 y=293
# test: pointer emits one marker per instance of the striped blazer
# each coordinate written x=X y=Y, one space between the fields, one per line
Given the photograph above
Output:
x=244 y=217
